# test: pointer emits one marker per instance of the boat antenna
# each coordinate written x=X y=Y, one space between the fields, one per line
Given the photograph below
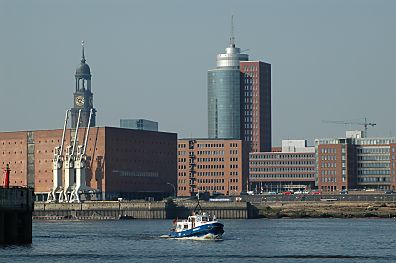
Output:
x=198 y=207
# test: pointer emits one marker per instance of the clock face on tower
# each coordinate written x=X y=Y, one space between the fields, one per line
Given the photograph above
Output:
x=79 y=100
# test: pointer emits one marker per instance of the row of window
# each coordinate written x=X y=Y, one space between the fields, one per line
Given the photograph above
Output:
x=210 y=181
x=278 y=163
x=329 y=157
x=181 y=174
x=373 y=165
x=249 y=67
x=373 y=172
x=329 y=180
x=365 y=141
x=282 y=169
x=9 y=142
x=330 y=165
x=201 y=160
x=373 y=179
x=373 y=158
x=211 y=187
x=375 y=150
x=209 y=145
x=328 y=150
x=282 y=156
x=210 y=166
x=329 y=172
x=281 y=176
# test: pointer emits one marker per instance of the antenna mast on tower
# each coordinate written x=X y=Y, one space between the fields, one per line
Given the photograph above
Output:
x=232 y=37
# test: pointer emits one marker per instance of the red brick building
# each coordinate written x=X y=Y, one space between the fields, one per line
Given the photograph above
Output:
x=392 y=159
x=256 y=105
x=212 y=165
x=121 y=162
x=356 y=163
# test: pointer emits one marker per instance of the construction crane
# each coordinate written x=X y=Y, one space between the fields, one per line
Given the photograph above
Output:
x=365 y=124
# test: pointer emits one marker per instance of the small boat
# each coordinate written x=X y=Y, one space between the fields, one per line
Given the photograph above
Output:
x=200 y=225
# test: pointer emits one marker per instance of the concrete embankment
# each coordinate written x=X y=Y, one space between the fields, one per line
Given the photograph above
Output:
x=321 y=209
x=107 y=210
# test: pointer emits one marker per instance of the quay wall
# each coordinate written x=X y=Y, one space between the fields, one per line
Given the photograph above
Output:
x=105 y=210
x=16 y=207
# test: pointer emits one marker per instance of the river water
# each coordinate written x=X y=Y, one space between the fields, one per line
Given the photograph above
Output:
x=261 y=240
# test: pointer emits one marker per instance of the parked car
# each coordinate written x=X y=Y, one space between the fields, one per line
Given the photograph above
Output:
x=316 y=193
x=287 y=193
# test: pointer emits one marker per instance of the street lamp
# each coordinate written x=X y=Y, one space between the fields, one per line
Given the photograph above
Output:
x=174 y=188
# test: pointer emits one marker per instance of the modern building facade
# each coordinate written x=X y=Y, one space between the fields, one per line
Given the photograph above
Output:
x=224 y=95
x=212 y=165
x=256 y=124
x=120 y=162
x=139 y=124
x=291 y=168
x=239 y=100
x=83 y=97
x=355 y=162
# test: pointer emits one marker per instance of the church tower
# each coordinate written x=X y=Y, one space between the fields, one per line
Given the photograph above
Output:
x=83 y=97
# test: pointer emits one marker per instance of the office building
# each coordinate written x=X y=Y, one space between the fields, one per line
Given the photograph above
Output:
x=290 y=168
x=212 y=165
x=355 y=162
x=139 y=124
x=239 y=99
x=256 y=128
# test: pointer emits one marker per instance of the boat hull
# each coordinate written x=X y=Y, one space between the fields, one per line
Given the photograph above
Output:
x=207 y=231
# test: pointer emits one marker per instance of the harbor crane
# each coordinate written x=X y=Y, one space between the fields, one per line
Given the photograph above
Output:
x=365 y=124
x=73 y=167
x=56 y=193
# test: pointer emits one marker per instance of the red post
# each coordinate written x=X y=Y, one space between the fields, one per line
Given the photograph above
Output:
x=7 y=177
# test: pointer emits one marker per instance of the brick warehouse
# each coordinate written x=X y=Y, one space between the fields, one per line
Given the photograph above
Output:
x=121 y=162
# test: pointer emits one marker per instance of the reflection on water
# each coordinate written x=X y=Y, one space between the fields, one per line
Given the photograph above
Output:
x=280 y=240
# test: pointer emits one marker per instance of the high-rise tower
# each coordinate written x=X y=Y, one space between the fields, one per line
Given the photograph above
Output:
x=83 y=97
x=256 y=105
x=239 y=99
x=224 y=86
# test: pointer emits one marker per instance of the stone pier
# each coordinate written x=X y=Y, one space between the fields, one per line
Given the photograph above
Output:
x=16 y=207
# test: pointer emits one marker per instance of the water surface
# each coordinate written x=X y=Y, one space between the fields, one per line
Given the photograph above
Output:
x=261 y=240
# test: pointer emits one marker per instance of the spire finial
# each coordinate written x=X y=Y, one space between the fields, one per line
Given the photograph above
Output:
x=83 y=55
x=232 y=37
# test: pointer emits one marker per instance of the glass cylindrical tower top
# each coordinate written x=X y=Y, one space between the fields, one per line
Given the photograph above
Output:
x=224 y=88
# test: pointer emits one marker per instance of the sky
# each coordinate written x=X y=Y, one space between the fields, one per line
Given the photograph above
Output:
x=331 y=60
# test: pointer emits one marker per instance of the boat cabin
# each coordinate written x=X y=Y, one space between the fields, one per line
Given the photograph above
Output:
x=193 y=221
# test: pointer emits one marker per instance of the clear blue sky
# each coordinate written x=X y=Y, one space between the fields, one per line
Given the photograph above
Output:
x=331 y=60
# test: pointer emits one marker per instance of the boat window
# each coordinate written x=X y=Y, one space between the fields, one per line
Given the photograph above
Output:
x=185 y=226
x=204 y=219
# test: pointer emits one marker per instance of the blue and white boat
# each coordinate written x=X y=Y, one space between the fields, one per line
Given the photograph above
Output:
x=200 y=225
